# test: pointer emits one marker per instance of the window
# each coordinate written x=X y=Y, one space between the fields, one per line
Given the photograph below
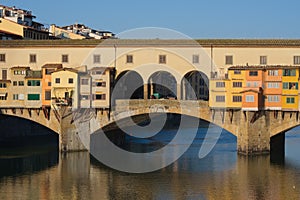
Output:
x=19 y=72
x=48 y=95
x=263 y=60
x=237 y=84
x=57 y=80
x=248 y=84
x=290 y=85
x=220 y=98
x=4 y=74
x=3 y=85
x=2 y=57
x=289 y=72
x=273 y=73
x=65 y=58
x=220 y=84
x=255 y=84
x=249 y=98
x=296 y=60
x=195 y=59
x=97 y=58
x=21 y=83
x=33 y=97
x=237 y=72
x=71 y=81
x=273 y=98
x=33 y=83
x=237 y=98
x=129 y=59
x=32 y=58
x=84 y=97
x=49 y=84
x=290 y=100
x=15 y=83
x=21 y=96
x=273 y=85
x=162 y=59
x=99 y=96
x=99 y=84
x=15 y=96
x=228 y=60
x=253 y=73
x=84 y=81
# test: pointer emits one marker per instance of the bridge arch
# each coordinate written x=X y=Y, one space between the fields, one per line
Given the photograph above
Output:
x=129 y=84
x=163 y=83
x=199 y=82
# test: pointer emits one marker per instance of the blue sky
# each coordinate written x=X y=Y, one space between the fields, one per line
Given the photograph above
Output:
x=195 y=18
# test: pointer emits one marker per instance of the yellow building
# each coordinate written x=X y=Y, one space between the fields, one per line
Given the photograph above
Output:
x=219 y=93
x=290 y=88
x=236 y=86
x=64 y=89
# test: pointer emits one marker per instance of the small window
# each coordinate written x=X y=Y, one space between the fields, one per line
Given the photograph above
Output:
x=71 y=80
x=49 y=84
x=21 y=83
x=220 y=84
x=237 y=84
x=290 y=100
x=32 y=58
x=162 y=59
x=229 y=60
x=273 y=85
x=237 y=98
x=3 y=85
x=129 y=59
x=249 y=98
x=253 y=73
x=15 y=97
x=273 y=98
x=2 y=57
x=15 y=83
x=97 y=58
x=84 y=97
x=33 y=97
x=57 y=80
x=195 y=59
x=65 y=58
x=289 y=72
x=84 y=81
x=263 y=60
x=237 y=72
x=296 y=60
x=99 y=97
x=272 y=72
x=220 y=98
x=47 y=95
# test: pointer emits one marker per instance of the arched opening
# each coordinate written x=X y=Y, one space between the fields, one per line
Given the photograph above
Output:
x=162 y=84
x=128 y=85
x=19 y=132
x=198 y=81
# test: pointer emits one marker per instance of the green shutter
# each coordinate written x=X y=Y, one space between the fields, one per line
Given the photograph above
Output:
x=33 y=97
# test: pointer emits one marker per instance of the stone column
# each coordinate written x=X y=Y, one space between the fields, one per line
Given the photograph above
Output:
x=253 y=133
x=145 y=91
x=179 y=91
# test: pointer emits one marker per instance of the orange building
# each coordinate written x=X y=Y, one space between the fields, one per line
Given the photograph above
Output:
x=273 y=87
x=47 y=70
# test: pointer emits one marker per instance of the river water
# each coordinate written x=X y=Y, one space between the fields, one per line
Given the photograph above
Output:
x=40 y=172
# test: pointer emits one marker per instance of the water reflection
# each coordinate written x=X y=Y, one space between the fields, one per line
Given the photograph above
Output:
x=221 y=175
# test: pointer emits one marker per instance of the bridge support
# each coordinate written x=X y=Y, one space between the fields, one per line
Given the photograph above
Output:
x=254 y=133
x=72 y=138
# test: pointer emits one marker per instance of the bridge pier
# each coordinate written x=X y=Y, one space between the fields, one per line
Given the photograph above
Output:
x=72 y=138
x=253 y=133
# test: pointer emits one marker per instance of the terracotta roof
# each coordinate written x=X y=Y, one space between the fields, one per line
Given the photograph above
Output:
x=33 y=74
x=5 y=81
x=157 y=42
x=20 y=67
x=263 y=67
x=101 y=68
x=52 y=65
x=66 y=69
x=251 y=90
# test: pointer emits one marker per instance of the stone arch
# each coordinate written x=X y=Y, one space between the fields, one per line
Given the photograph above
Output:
x=128 y=85
x=162 y=84
x=197 y=81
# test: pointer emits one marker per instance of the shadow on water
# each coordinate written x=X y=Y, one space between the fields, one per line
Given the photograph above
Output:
x=26 y=147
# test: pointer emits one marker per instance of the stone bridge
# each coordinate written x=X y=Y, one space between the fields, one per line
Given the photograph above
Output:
x=257 y=132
